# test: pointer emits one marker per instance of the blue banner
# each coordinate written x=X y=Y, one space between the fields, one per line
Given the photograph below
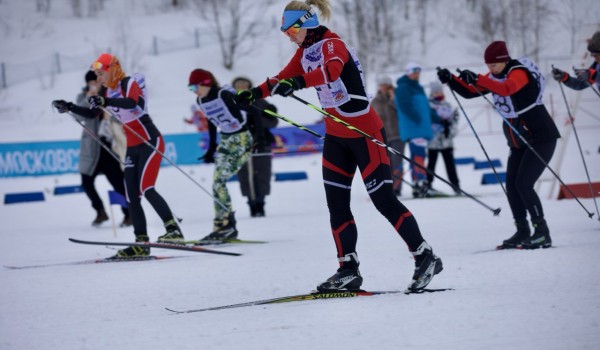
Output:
x=62 y=157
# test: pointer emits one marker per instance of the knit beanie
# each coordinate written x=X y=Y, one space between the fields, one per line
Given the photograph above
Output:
x=594 y=43
x=435 y=87
x=412 y=67
x=201 y=77
x=384 y=80
x=496 y=52
x=240 y=79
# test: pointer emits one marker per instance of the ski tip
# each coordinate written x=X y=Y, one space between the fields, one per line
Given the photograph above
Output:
x=174 y=311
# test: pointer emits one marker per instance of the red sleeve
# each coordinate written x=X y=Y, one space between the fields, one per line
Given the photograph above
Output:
x=514 y=82
x=335 y=56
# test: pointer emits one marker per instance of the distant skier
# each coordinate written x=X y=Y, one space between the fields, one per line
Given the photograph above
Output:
x=233 y=150
x=325 y=62
x=444 y=129
x=125 y=97
x=517 y=87
x=585 y=77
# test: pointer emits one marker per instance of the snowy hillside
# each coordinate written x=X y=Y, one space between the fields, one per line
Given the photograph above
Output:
x=544 y=299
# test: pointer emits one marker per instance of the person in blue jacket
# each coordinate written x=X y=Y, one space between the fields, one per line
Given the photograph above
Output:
x=414 y=121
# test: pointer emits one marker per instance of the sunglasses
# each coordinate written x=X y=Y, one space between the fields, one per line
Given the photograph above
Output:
x=99 y=66
x=193 y=88
x=293 y=30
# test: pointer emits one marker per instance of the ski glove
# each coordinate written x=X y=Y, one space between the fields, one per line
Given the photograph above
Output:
x=468 y=77
x=245 y=98
x=62 y=106
x=559 y=75
x=586 y=75
x=286 y=87
x=96 y=101
x=444 y=76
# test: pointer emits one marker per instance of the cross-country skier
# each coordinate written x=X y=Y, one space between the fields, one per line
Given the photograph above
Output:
x=517 y=87
x=125 y=97
x=325 y=62
x=233 y=150
x=585 y=77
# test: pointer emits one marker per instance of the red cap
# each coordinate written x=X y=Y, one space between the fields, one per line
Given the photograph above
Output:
x=496 y=52
x=201 y=77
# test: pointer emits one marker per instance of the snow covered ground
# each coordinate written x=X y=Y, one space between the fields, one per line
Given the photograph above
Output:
x=545 y=299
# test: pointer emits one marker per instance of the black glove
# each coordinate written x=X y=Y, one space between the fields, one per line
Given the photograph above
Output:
x=96 y=101
x=585 y=75
x=208 y=157
x=446 y=124
x=444 y=76
x=559 y=75
x=468 y=77
x=286 y=87
x=62 y=106
x=245 y=98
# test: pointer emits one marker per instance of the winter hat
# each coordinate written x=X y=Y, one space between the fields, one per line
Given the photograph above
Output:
x=411 y=68
x=109 y=63
x=594 y=43
x=90 y=76
x=496 y=52
x=201 y=77
x=435 y=87
x=241 y=79
x=384 y=80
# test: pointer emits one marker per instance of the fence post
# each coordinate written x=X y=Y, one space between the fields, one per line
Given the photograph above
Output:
x=155 y=45
x=197 y=37
x=56 y=55
x=3 y=74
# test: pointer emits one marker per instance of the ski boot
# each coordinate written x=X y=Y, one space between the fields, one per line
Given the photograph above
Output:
x=541 y=236
x=346 y=278
x=516 y=240
x=173 y=235
x=426 y=266
x=126 y=221
x=224 y=230
x=134 y=251
x=100 y=217
x=260 y=209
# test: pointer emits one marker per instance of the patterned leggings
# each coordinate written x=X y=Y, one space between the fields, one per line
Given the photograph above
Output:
x=232 y=153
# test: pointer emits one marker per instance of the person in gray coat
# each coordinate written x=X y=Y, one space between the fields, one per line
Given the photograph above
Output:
x=94 y=159
x=385 y=105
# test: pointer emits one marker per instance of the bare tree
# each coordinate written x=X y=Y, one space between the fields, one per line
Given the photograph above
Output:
x=237 y=25
x=42 y=6
x=372 y=28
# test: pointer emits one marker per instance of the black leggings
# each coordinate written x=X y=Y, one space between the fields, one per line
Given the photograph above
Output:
x=448 y=156
x=523 y=170
x=341 y=157
x=112 y=169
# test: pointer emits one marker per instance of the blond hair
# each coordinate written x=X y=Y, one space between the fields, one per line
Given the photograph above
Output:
x=323 y=6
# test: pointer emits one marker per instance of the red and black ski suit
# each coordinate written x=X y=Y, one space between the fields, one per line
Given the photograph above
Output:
x=345 y=150
x=517 y=86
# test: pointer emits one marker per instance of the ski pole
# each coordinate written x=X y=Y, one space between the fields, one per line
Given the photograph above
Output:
x=590 y=215
x=299 y=126
x=478 y=139
x=578 y=143
x=392 y=150
x=164 y=156
x=97 y=139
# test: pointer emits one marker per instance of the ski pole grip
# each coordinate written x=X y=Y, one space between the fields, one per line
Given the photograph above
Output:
x=458 y=70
